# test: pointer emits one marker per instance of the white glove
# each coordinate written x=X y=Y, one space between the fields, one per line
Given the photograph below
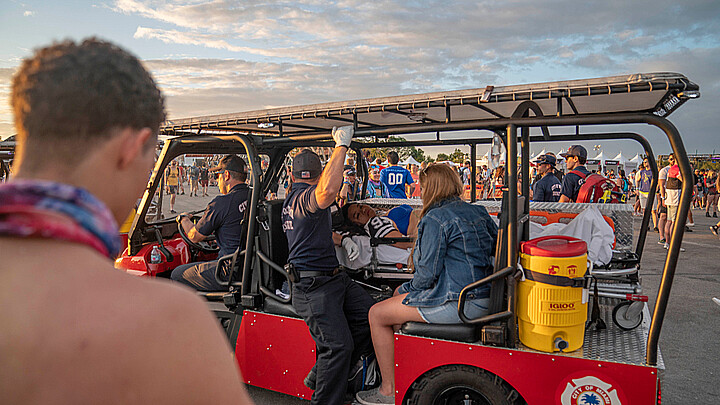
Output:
x=351 y=248
x=343 y=135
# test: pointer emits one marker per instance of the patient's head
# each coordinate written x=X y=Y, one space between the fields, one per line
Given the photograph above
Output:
x=358 y=214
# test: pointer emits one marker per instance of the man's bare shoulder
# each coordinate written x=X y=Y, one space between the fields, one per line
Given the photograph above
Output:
x=85 y=332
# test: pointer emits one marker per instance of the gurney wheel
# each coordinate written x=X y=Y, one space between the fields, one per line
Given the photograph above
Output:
x=628 y=315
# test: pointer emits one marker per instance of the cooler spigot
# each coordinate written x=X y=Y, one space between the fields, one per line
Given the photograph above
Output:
x=561 y=344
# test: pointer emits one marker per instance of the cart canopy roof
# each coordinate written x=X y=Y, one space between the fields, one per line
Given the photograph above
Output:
x=658 y=93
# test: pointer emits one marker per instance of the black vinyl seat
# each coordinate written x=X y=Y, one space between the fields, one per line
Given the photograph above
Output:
x=273 y=244
x=273 y=306
x=456 y=331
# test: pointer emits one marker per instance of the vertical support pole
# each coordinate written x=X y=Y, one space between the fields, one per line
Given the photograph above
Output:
x=511 y=233
x=525 y=166
x=473 y=173
x=675 y=239
x=511 y=173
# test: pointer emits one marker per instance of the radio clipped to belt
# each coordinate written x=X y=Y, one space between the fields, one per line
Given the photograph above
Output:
x=292 y=273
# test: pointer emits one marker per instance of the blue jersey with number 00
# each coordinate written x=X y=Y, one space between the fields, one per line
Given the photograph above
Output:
x=395 y=178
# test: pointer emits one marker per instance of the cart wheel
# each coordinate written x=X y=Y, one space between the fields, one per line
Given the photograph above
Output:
x=450 y=385
x=628 y=315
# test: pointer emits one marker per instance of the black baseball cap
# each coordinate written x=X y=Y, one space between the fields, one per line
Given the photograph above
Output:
x=233 y=163
x=306 y=165
x=576 y=150
x=549 y=159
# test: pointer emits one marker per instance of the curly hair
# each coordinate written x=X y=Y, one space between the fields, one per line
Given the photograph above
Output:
x=70 y=95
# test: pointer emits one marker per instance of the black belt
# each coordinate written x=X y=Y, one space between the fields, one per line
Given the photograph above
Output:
x=314 y=273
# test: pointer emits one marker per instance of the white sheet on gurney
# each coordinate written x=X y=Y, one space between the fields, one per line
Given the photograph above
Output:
x=386 y=254
x=589 y=226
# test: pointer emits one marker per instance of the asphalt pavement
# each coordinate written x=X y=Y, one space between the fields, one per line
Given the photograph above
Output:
x=690 y=337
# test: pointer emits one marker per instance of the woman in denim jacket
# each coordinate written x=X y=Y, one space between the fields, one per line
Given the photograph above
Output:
x=454 y=248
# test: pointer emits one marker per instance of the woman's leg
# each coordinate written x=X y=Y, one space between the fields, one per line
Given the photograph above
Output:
x=383 y=316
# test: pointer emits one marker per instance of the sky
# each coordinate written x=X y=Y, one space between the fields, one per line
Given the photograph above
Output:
x=213 y=57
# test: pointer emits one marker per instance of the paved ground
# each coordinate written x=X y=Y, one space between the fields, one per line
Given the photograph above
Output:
x=690 y=339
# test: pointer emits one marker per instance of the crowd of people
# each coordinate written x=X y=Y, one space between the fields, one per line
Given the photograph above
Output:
x=195 y=176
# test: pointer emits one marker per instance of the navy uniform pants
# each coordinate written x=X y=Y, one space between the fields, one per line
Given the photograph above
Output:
x=335 y=309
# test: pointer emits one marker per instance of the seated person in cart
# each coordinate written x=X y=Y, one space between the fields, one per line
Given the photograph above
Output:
x=223 y=217
x=453 y=249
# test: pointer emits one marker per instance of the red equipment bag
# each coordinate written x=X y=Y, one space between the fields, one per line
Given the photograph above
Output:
x=598 y=189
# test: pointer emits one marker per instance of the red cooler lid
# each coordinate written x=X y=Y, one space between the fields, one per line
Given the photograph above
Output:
x=554 y=246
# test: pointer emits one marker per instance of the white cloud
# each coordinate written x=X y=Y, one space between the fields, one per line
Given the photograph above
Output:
x=262 y=54
x=29 y=13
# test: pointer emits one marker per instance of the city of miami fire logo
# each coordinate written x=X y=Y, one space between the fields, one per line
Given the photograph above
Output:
x=589 y=391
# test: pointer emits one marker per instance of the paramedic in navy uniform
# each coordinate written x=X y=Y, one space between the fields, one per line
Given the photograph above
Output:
x=222 y=217
x=334 y=307
x=395 y=177
x=547 y=189
x=575 y=158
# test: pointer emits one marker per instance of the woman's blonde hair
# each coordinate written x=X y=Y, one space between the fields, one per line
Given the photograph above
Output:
x=438 y=182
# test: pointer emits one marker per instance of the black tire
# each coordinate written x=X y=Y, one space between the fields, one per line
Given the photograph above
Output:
x=454 y=384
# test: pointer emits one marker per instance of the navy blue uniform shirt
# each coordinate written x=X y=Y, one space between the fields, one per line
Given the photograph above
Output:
x=547 y=189
x=309 y=230
x=395 y=178
x=223 y=216
x=572 y=182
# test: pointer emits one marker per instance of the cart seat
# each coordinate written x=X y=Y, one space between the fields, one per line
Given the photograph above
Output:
x=456 y=331
x=276 y=307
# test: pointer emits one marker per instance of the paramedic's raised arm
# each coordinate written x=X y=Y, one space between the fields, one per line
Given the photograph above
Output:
x=331 y=177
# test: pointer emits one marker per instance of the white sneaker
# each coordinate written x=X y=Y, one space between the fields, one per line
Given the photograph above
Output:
x=690 y=224
x=666 y=246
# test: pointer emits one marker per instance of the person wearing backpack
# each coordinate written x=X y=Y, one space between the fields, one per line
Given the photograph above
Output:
x=575 y=158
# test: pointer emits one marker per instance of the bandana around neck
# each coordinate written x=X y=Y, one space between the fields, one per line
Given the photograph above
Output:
x=45 y=209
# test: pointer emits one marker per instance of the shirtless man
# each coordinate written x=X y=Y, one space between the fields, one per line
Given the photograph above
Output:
x=75 y=330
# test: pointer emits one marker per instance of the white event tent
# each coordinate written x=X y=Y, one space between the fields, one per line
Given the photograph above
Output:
x=534 y=159
x=410 y=161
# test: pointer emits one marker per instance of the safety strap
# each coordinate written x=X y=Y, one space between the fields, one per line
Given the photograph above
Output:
x=579 y=173
x=560 y=281
x=595 y=320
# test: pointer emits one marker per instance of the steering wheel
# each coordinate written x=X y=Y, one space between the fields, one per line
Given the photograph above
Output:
x=206 y=246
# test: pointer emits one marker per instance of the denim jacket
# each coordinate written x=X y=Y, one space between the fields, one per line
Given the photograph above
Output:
x=453 y=249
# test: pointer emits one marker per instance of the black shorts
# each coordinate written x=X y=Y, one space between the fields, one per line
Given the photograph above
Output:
x=662 y=209
x=173 y=189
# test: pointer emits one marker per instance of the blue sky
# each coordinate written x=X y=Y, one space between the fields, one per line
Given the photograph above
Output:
x=229 y=56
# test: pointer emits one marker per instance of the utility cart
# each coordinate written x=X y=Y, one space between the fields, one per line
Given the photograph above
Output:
x=481 y=361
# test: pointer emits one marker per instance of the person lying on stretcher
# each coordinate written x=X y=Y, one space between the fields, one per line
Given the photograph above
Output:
x=362 y=222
